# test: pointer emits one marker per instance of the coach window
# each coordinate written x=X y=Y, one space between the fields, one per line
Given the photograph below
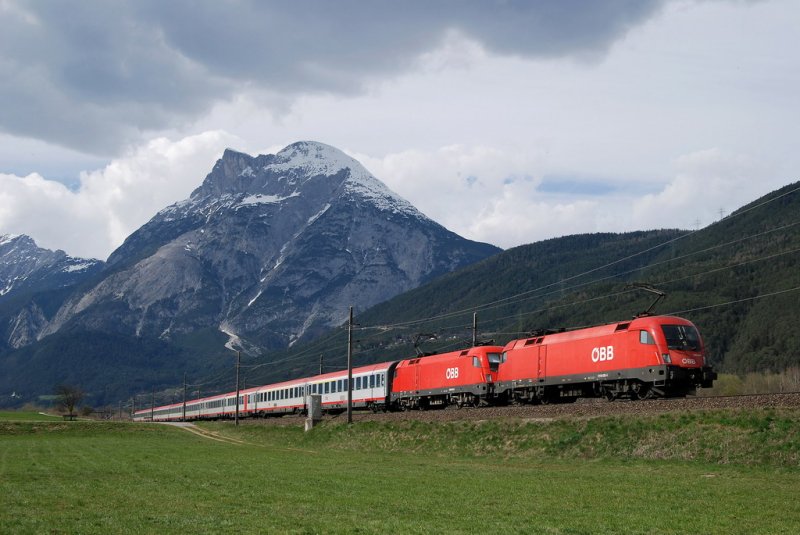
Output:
x=327 y=387
x=358 y=383
x=372 y=381
x=646 y=338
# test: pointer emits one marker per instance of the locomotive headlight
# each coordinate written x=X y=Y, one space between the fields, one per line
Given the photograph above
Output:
x=665 y=357
x=488 y=377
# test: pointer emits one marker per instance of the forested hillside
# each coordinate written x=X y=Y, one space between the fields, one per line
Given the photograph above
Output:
x=737 y=279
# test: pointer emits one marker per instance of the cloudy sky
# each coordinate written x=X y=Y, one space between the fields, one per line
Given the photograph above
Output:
x=508 y=121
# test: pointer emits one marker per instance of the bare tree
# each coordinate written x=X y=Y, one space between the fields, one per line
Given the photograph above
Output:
x=68 y=397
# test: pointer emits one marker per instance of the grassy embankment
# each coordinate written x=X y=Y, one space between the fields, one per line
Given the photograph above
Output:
x=716 y=472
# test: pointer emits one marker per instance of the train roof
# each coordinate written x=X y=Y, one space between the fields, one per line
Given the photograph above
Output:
x=600 y=330
x=469 y=352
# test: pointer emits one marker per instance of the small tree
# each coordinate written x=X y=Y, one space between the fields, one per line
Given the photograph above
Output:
x=68 y=397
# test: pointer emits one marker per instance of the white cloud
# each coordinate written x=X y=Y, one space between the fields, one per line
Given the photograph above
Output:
x=111 y=202
x=707 y=182
x=452 y=185
x=492 y=195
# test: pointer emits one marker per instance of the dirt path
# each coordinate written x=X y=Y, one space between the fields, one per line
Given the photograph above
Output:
x=190 y=427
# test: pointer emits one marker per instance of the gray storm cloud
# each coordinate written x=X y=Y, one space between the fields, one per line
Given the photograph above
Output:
x=94 y=75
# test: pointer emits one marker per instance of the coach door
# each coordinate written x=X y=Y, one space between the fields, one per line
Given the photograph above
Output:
x=541 y=368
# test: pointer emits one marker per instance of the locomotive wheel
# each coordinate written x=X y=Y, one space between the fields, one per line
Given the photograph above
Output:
x=610 y=394
x=641 y=391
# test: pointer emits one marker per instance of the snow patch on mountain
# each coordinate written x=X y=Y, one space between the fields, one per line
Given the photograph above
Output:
x=80 y=266
x=8 y=238
x=233 y=339
x=264 y=199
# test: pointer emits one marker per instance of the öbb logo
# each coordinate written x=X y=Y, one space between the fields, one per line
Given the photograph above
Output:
x=451 y=373
x=600 y=354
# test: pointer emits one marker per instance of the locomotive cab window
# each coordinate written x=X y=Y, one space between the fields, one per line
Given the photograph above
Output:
x=476 y=362
x=646 y=338
x=682 y=337
x=494 y=361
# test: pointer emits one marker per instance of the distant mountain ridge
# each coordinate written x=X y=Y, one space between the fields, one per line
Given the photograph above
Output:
x=24 y=265
x=32 y=280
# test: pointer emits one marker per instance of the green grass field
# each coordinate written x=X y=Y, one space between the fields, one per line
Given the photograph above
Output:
x=27 y=416
x=103 y=477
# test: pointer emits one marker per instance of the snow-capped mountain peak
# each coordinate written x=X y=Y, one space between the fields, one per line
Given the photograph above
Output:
x=304 y=169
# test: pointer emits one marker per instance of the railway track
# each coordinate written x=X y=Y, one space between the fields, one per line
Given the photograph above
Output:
x=584 y=408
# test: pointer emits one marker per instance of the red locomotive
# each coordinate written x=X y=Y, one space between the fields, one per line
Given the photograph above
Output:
x=650 y=356
x=460 y=378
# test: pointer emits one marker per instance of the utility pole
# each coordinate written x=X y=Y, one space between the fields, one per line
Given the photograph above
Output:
x=350 y=368
x=184 y=397
x=133 y=406
x=153 y=404
x=120 y=410
x=474 y=329
x=238 y=360
x=320 y=364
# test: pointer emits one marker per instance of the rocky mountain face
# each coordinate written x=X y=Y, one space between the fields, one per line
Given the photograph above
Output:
x=269 y=250
x=31 y=281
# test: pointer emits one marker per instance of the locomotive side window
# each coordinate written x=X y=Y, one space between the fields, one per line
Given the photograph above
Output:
x=476 y=362
x=646 y=338
x=681 y=337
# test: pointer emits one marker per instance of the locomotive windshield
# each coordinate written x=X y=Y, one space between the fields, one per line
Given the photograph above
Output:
x=682 y=337
x=494 y=361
